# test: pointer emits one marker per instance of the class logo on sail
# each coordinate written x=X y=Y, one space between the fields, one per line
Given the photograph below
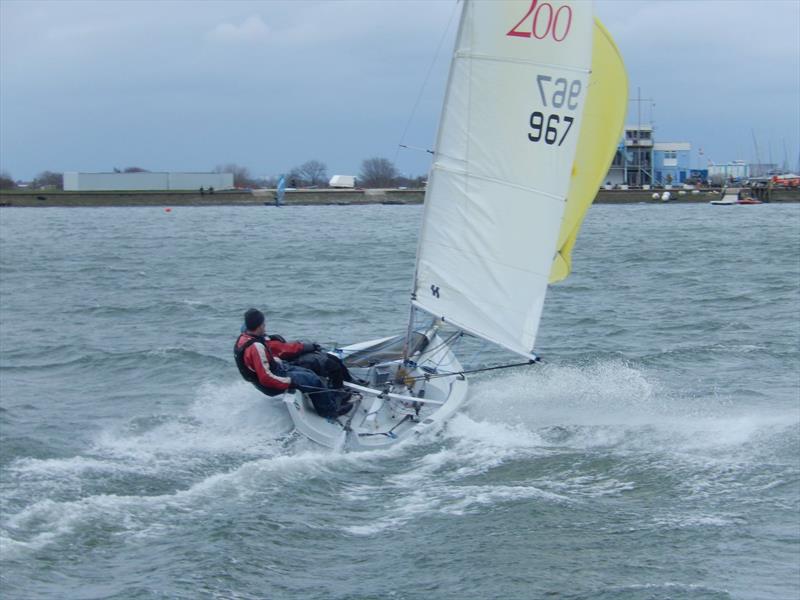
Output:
x=543 y=21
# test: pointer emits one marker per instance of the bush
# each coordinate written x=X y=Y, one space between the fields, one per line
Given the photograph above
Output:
x=6 y=181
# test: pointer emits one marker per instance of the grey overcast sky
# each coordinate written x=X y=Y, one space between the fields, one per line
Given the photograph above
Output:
x=89 y=86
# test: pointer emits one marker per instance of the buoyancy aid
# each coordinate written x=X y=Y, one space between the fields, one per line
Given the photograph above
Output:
x=246 y=372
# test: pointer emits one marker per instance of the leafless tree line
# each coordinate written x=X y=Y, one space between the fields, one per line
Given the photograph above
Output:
x=375 y=172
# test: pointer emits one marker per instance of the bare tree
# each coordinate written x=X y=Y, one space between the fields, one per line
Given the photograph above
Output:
x=48 y=179
x=310 y=173
x=241 y=175
x=377 y=172
x=313 y=172
x=6 y=181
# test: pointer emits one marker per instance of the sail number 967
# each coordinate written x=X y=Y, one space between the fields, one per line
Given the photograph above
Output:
x=565 y=92
x=562 y=94
x=549 y=129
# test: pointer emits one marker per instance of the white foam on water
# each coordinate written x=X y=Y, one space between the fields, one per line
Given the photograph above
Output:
x=232 y=420
x=45 y=521
x=696 y=521
x=505 y=422
x=435 y=498
x=615 y=404
x=466 y=498
x=224 y=418
x=438 y=482
x=473 y=447
x=608 y=407
x=600 y=410
x=599 y=394
x=587 y=486
x=35 y=468
x=670 y=588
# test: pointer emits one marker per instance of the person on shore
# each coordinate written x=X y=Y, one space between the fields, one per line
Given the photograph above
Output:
x=264 y=363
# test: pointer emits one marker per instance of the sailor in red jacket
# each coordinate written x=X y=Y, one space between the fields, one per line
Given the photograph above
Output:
x=261 y=362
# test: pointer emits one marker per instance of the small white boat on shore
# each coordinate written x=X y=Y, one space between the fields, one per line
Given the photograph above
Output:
x=730 y=197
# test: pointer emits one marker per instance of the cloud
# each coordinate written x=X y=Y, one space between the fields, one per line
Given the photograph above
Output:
x=252 y=30
x=346 y=74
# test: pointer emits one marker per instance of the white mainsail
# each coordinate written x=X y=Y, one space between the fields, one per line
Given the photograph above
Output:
x=502 y=164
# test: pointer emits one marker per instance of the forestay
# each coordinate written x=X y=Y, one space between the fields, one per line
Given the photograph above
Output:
x=502 y=164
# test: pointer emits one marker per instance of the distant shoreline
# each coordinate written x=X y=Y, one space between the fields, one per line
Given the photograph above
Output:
x=327 y=197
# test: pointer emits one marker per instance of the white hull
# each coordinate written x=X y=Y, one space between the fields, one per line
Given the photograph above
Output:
x=387 y=412
x=730 y=196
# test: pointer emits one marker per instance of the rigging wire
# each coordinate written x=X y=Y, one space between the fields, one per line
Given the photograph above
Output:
x=444 y=344
x=426 y=377
x=424 y=85
x=429 y=376
x=407 y=147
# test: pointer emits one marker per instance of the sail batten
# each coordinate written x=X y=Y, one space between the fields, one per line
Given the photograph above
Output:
x=518 y=268
x=500 y=181
x=502 y=166
x=520 y=61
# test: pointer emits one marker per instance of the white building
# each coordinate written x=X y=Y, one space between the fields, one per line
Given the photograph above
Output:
x=144 y=181
x=342 y=181
x=633 y=161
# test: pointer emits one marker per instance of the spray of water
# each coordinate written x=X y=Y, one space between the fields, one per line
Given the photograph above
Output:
x=232 y=443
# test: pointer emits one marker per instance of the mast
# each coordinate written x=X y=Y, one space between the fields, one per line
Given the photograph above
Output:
x=425 y=202
x=785 y=166
x=758 y=156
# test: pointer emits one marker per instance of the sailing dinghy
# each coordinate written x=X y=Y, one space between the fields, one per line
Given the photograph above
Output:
x=533 y=112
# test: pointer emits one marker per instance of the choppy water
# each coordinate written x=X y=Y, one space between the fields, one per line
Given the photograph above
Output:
x=656 y=455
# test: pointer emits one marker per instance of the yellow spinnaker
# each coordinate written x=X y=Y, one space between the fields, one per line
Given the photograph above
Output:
x=601 y=131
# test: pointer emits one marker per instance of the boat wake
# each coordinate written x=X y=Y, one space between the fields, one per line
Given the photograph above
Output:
x=570 y=436
x=614 y=403
x=148 y=461
x=559 y=436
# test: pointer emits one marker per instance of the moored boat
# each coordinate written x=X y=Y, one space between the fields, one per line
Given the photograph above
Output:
x=730 y=197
